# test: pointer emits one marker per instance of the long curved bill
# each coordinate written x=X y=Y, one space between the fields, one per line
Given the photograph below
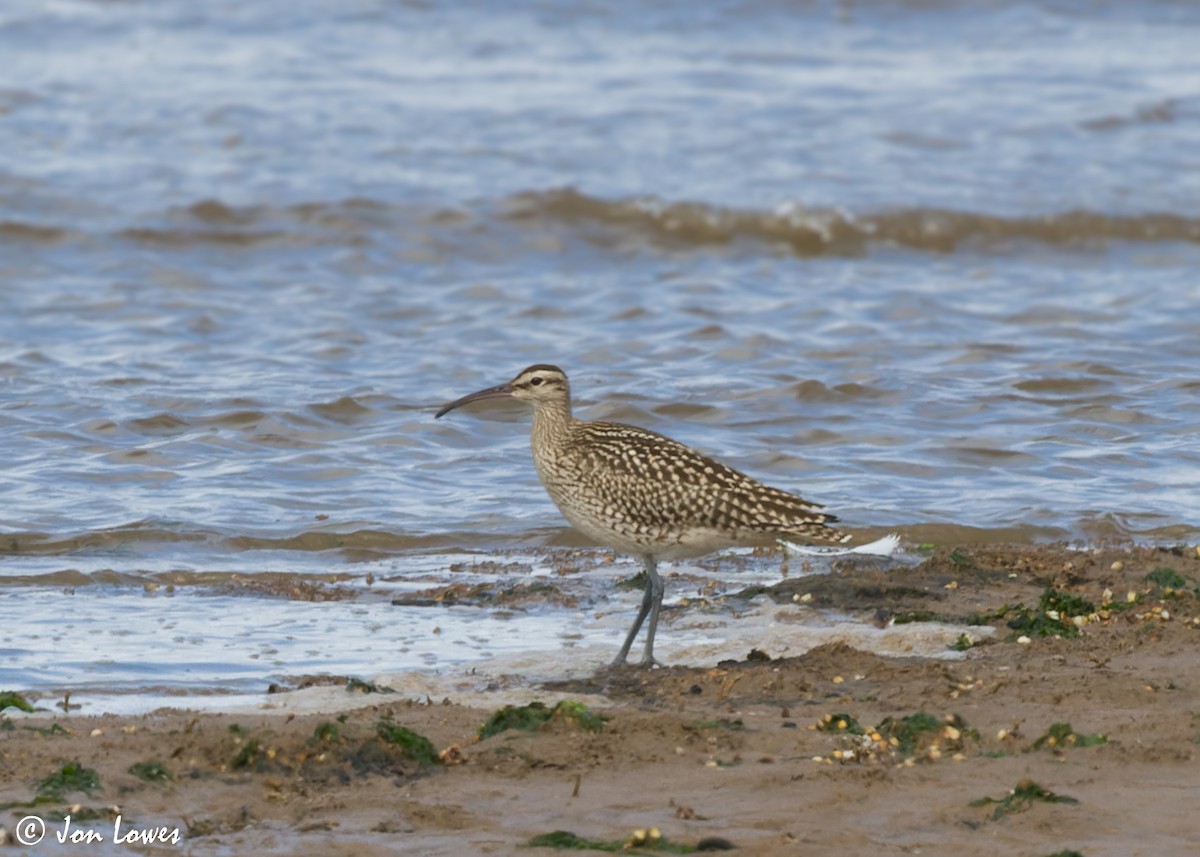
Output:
x=501 y=391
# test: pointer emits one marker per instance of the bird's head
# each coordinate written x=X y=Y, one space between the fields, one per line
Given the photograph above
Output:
x=540 y=384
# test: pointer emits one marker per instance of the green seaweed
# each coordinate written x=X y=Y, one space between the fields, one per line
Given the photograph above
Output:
x=151 y=771
x=1062 y=735
x=909 y=730
x=12 y=699
x=990 y=616
x=962 y=644
x=1065 y=603
x=565 y=840
x=1021 y=798
x=532 y=716
x=50 y=731
x=719 y=723
x=525 y=717
x=1165 y=577
x=71 y=777
x=580 y=715
x=357 y=685
x=637 y=582
x=415 y=745
x=326 y=732
x=1040 y=623
x=247 y=756
x=961 y=561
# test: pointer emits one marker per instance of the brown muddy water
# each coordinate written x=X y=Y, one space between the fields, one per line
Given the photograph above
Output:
x=933 y=266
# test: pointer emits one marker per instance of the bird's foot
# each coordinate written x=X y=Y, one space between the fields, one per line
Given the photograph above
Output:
x=650 y=662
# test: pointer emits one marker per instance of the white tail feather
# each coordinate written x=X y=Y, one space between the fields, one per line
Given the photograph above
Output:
x=885 y=546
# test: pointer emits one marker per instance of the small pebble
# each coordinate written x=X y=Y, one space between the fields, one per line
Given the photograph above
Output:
x=1023 y=640
x=1117 y=566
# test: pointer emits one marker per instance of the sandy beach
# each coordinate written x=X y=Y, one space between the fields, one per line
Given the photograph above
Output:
x=1071 y=728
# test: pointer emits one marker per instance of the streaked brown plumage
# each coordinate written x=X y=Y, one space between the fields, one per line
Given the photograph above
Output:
x=639 y=492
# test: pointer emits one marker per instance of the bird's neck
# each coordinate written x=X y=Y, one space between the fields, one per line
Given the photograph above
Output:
x=552 y=423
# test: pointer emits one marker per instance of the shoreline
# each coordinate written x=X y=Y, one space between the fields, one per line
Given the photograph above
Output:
x=751 y=750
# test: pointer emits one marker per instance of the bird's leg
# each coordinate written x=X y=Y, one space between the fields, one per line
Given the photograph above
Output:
x=637 y=626
x=649 y=607
x=654 y=594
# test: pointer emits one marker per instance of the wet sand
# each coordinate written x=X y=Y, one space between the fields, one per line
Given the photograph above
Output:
x=824 y=753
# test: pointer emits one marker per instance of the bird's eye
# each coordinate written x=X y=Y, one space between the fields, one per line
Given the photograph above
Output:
x=536 y=381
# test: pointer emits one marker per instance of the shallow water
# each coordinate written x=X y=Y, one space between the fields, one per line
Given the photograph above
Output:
x=932 y=266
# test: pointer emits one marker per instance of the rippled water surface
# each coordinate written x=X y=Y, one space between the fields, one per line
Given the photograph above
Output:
x=933 y=265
